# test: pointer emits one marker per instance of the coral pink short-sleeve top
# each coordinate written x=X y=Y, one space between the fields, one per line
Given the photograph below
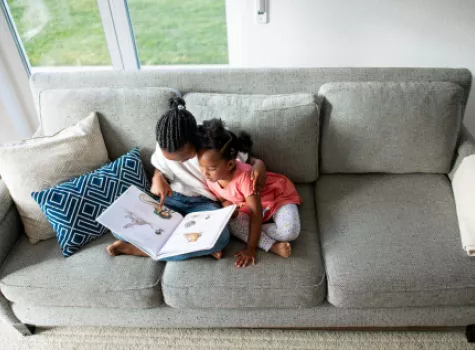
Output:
x=278 y=190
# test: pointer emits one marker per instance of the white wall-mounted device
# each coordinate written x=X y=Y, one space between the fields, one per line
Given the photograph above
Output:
x=262 y=9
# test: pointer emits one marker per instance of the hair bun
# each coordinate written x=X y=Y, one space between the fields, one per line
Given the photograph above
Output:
x=245 y=142
x=176 y=102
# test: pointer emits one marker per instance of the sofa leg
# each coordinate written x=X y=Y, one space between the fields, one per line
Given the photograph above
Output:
x=470 y=333
x=25 y=329
x=31 y=328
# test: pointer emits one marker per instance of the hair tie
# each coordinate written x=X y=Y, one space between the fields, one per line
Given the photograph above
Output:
x=227 y=143
x=180 y=107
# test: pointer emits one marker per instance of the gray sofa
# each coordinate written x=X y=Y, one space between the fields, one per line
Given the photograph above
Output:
x=380 y=245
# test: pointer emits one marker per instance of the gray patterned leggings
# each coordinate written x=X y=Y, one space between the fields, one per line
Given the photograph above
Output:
x=286 y=227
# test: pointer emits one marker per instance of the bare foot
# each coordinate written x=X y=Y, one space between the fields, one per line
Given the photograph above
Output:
x=282 y=249
x=119 y=248
x=217 y=255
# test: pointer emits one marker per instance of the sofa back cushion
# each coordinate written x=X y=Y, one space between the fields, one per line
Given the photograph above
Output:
x=403 y=127
x=284 y=128
x=127 y=115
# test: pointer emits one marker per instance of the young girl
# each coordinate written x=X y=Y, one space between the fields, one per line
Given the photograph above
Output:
x=230 y=181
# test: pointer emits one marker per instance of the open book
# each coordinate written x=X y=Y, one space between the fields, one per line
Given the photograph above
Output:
x=137 y=218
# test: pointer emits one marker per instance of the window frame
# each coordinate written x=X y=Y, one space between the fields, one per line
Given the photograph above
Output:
x=119 y=34
x=15 y=36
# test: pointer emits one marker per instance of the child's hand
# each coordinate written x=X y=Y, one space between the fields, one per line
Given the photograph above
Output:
x=161 y=188
x=244 y=257
x=227 y=204
x=258 y=176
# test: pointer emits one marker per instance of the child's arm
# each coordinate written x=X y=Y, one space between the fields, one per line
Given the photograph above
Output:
x=248 y=255
x=258 y=174
x=160 y=186
x=224 y=202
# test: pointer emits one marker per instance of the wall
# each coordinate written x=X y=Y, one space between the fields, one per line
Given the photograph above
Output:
x=345 y=33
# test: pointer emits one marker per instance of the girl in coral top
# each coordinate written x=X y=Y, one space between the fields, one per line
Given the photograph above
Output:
x=229 y=179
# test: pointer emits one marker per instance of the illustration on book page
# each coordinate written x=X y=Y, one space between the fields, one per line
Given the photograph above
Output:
x=192 y=237
x=190 y=223
x=136 y=220
x=164 y=213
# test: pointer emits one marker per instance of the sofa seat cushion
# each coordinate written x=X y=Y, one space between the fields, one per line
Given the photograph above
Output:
x=274 y=282
x=392 y=241
x=40 y=275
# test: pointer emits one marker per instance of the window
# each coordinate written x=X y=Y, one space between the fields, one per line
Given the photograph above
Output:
x=120 y=33
x=60 y=32
x=180 y=32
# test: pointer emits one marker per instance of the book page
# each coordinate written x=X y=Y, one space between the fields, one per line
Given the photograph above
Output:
x=197 y=231
x=136 y=218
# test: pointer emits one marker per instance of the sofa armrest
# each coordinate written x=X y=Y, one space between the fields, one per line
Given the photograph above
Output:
x=465 y=147
x=9 y=318
x=6 y=200
x=10 y=229
x=10 y=223
x=463 y=185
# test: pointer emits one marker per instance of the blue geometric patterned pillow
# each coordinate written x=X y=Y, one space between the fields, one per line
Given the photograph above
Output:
x=73 y=206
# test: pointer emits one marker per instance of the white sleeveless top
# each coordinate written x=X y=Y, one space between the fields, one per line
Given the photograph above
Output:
x=185 y=177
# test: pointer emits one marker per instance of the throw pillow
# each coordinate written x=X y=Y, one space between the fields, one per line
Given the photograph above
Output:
x=72 y=207
x=39 y=163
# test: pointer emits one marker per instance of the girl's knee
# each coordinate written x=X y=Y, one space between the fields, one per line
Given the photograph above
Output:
x=292 y=230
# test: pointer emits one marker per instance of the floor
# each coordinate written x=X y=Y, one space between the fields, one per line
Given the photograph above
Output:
x=104 y=338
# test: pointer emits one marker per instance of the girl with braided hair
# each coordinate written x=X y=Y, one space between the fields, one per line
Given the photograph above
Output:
x=177 y=179
x=229 y=180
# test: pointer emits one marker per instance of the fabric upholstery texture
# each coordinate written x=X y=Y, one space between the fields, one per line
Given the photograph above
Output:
x=39 y=275
x=124 y=97
x=10 y=230
x=128 y=115
x=389 y=127
x=5 y=199
x=264 y=81
x=296 y=282
x=290 y=119
x=73 y=206
x=7 y=315
x=392 y=241
x=323 y=315
x=40 y=163
x=10 y=223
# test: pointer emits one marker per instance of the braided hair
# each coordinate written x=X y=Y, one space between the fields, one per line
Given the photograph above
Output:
x=176 y=127
x=213 y=135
